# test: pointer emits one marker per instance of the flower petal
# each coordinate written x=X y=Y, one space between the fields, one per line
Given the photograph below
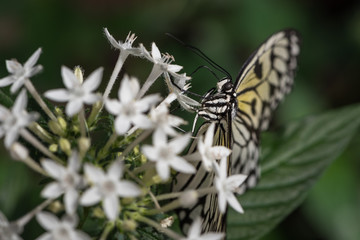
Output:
x=33 y=59
x=234 y=203
x=13 y=66
x=70 y=199
x=69 y=78
x=195 y=229
x=155 y=53
x=127 y=189
x=47 y=220
x=93 y=80
x=122 y=124
x=111 y=39
x=179 y=143
x=93 y=173
x=222 y=202
x=115 y=170
x=163 y=170
x=6 y=81
x=113 y=106
x=20 y=102
x=17 y=85
x=58 y=95
x=90 y=197
x=52 y=190
x=182 y=165
x=73 y=107
x=111 y=207
x=150 y=152
x=54 y=169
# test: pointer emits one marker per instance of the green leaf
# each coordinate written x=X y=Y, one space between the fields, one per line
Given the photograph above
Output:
x=5 y=100
x=291 y=164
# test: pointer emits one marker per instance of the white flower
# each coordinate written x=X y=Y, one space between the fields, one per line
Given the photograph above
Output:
x=195 y=232
x=226 y=186
x=163 y=62
x=165 y=154
x=12 y=122
x=125 y=47
x=7 y=230
x=129 y=109
x=67 y=181
x=20 y=73
x=77 y=93
x=163 y=121
x=59 y=230
x=108 y=187
x=209 y=153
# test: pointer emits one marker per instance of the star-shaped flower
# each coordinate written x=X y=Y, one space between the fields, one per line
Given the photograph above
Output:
x=20 y=73
x=163 y=121
x=128 y=109
x=194 y=232
x=12 y=122
x=8 y=230
x=125 y=47
x=67 y=181
x=226 y=186
x=165 y=154
x=108 y=187
x=63 y=229
x=77 y=93
x=209 y=153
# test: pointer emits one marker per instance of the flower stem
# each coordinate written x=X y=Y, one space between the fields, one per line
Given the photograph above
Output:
x=201 y=192
x=154 y=74
x=82 y=123
x=34 y=165
x=21 y=222
x=30 y=87
x=121 y=59
x=157 y=226
x=140 y=138
x=37 y=144
x=109 y=226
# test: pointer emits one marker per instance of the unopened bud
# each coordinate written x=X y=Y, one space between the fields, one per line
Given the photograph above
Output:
x=65 y=146
x=84 y=145
x=129 y=225
x=62 y=123
x=18 y=151
x=58 y=112
x=188 y=198
x=53 y=147
x=78 y=72
x=56 y=128
x=56 y=206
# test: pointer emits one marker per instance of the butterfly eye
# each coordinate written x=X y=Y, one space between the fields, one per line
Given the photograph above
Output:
x=227 y=86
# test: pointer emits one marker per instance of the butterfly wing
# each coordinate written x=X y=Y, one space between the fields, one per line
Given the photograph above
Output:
x=207 y=206
x=264 y=80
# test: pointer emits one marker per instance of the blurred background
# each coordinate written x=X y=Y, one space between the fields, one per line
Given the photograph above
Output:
x=71 y=33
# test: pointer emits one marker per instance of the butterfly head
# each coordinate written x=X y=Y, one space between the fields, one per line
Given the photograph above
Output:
x=225 y=85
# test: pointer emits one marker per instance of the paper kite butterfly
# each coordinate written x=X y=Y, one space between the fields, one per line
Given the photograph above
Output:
x=241 y=110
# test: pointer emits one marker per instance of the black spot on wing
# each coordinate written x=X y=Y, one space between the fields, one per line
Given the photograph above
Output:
x=258 y=69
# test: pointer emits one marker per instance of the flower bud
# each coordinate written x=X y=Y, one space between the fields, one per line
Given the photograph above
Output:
x=56 y=128
x=78 y=72
x=188 y=198
x=129 y=225
x=65 y=146
x=84 y=145
x=53 y=147
x=18 y=151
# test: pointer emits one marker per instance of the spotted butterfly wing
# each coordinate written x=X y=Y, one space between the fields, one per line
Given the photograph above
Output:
x=241 y=111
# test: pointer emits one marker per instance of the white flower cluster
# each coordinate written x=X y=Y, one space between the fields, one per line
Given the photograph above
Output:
x=118 y=175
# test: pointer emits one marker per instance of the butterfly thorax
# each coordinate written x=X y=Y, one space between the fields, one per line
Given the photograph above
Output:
x=217 y=104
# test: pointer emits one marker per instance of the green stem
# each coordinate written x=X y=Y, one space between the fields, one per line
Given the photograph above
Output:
x=109 y=227
x=82 y=123
x=157 y=226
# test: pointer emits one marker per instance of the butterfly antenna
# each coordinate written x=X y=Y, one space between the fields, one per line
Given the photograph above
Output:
x=202 y=55
x=204 y=66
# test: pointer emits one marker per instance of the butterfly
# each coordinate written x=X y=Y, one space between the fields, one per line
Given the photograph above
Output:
x=240 y=110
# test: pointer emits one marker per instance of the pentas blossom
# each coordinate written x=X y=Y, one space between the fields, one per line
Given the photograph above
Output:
x=63 y=229
x=209 y=153
x=8 y=231
x=108 y=187
x=20 y=73
x=77 y=93
x=12 y=122
x=194 y=232
x=67 y=181
x=125 y=47
x=163 y=121
x=165 y=154
x=226 y=186
x=129 y=109
x=163 y=62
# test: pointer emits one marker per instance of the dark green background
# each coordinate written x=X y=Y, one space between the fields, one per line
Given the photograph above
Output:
x=70 y=33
